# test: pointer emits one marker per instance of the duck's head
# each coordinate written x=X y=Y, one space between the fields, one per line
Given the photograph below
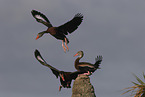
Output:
x=79 y=53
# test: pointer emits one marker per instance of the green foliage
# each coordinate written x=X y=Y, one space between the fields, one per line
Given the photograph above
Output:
x=138 y=90
x=139 y=80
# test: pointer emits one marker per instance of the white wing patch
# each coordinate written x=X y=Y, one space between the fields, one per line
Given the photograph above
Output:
x=39 y=58
x=39 y=17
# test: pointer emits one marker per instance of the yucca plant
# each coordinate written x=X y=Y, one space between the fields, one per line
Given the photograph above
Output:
x=138 y=90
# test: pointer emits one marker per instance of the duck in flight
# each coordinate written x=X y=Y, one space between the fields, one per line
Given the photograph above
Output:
x=59 y=32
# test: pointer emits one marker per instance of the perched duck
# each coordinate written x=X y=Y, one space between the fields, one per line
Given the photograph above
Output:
x=61 y=31
x=65 y=77
x=85 y=66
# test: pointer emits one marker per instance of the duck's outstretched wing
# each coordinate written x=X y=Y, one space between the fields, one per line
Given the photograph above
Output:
x=43 y=62
x=41 y=18
x=71 y=25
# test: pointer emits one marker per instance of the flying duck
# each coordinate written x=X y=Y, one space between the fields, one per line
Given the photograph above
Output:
x=59 y=32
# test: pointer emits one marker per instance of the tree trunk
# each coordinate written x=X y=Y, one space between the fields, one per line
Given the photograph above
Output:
x=82 y=87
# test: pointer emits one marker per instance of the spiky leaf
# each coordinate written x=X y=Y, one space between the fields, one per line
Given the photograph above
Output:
x=139 y=80
x=138 y=90
x=135 y=83
x=143 y=75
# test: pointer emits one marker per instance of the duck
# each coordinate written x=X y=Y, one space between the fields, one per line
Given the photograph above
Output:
x=87 y=67
x=65 y=77
x=61 y=31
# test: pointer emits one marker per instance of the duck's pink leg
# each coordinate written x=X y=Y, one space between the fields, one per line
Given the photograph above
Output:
x=66 y=44
x=63 y=46
x=60 y=87
x=88 y=73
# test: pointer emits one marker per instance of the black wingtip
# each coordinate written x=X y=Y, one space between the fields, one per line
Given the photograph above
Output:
x=99 y=58
x=37 y=53
x=79 y=15
x=34 y=12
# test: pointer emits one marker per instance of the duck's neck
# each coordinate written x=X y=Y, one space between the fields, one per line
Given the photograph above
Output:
x=77 y=61
x=43 y=32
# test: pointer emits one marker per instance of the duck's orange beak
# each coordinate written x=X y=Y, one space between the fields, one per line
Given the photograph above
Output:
x=76 y=54
x=37 y=37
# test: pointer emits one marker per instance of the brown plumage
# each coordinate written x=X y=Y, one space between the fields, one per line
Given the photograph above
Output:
x=65 y=77
x=61 y=31
x=85 y=66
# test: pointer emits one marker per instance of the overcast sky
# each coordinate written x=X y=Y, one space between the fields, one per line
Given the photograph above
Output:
x=114 y=29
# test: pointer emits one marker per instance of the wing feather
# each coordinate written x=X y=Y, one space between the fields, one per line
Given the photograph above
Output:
x=43 y=62
x=41 y=18
x=71 y=25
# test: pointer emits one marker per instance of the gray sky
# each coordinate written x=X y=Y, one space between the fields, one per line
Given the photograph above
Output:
x=114 y=29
